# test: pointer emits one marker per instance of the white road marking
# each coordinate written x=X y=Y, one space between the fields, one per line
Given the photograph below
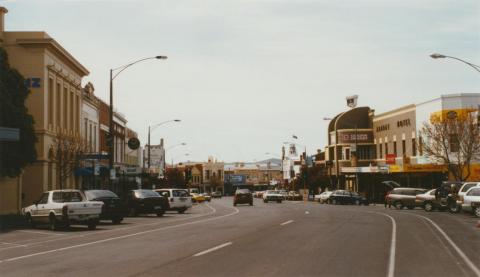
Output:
x=286 y=222
x=41 y=233
x=116 y=238
x=213 y=210
x=465 y=258
x=9 y=243
x=213 y=249
x=307 y=212
x=393 y=246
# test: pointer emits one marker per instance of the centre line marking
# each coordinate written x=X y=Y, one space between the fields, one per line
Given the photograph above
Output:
x=286 y=222
x=213 y=249
x=393 y=246
x=41 y=233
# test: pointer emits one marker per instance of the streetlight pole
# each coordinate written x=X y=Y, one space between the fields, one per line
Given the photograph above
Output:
x=151 y=128
x=440 y=56
x=120 y=69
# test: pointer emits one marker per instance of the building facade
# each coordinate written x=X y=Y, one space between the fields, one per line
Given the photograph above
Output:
x=54 y=78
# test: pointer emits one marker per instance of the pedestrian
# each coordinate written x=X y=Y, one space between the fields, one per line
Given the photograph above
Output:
x=386 y=200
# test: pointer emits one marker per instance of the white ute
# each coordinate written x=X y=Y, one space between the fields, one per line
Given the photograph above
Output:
x=63 y=208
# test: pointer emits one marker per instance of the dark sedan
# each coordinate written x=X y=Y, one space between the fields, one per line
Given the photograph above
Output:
x=113 y=209
x=243 y=196
x=145 y=201
x=347 y=197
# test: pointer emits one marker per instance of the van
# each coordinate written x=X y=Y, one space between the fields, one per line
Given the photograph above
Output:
x=179 y=199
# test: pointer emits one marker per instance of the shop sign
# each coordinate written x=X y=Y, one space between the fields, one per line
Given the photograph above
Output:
x=390 y=158
x=395 y=168
x=424 y=168
x=351 y=137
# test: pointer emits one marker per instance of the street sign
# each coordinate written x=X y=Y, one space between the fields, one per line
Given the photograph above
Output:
x=133 y=143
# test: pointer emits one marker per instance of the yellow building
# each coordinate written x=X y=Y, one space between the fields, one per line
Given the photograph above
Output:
x=54 y=78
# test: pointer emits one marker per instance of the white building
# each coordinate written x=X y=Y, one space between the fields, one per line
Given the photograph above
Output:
x=157 y=158
x=90 y=118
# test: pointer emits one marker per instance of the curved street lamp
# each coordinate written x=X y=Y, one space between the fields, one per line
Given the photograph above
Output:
x=119 y=70
x=440 y=56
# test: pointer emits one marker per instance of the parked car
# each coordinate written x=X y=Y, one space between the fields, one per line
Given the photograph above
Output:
x=446 y=197
x=197 y=198
x=323 y=197
x=207 y=197
x=145 y=201
x=471 y=201
x=243 y=196
x=217 y=194
x=425 y=198
x=63 y=208
x=404 y=197
x=346 y=197
x=294 y=196
x=463 y=190
x=272 y=195
x=284 y=193
x=179 y=199
x=113 y=209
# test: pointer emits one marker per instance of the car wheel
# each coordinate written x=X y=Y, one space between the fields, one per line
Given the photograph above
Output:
x=265 y=201
x=235 y=204
x=251 y=203
x=181 y=211
x=398 y=205
x=453 y=208
x=428 y=207
x=92 y=225
x=160 y=214
x=30 y=221
x=53 y=222
x=476 y=212
x=117 y=220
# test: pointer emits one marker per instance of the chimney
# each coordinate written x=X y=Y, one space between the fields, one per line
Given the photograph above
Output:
x=3 y=11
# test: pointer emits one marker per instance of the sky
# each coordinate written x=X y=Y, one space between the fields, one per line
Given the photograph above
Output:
x=244 y=76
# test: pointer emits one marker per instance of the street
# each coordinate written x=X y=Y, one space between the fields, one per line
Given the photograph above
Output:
x=287 y=239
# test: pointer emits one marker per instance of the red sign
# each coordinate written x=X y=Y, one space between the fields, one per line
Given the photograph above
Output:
x=390 y=158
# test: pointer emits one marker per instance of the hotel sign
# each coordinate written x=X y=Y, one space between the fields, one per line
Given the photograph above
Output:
x=351 y=137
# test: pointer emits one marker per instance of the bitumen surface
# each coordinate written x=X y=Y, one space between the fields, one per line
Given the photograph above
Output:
x=266 y=239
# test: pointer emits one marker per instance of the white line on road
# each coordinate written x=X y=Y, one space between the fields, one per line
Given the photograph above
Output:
x=64 y=237
x=16 y=244
x=286 y=222
x=307 y=212
x=393 y=246
x=465 y=258
x=119 y=237
x=213 y=249
x=41 y=233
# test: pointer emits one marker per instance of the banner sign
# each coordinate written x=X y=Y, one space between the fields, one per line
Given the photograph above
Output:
x=390 y=159
x=351 y=137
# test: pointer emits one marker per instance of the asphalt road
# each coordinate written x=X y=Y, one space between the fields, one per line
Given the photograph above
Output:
x=288 y=239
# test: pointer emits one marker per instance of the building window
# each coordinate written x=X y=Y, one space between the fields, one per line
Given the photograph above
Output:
x=420 y=146
x=380 y=150
x=72 y=110
x=94 y=138
x=414 y=147
x=454 y=143
x=403 y=148
x=386 y=149
x=65 y=108
x=347 y=154
x=51 y=103
x=59 y=105
x=207 y=174
x=395 y=148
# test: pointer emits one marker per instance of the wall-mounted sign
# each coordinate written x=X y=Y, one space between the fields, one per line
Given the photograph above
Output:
x=390 y=158
x=351 y=137
x=33 y=82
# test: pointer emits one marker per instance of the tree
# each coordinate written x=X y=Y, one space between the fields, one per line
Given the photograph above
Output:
x=316 y=175
x=175 y=178
x=66 y=152
x=452 y=140
x=215 y=183
x=14 y=156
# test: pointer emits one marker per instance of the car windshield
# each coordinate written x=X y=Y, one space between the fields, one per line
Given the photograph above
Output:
x=179 y=193
x=97 y=194
x=468 y=186
x=67 y=196
x=146 y=193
